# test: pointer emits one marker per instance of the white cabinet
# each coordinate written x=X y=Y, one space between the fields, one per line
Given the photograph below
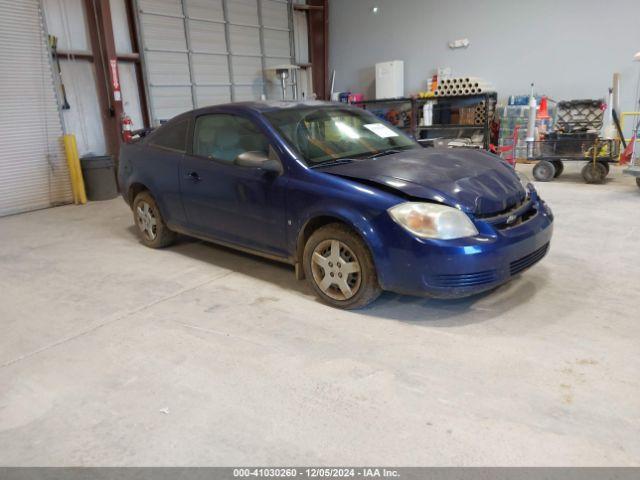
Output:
x=390 y=79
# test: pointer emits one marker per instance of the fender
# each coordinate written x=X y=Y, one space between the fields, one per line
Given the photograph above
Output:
x=360 y=206
x=159 y=171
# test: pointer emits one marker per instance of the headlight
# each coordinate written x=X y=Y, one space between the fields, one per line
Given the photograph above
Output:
x=431 y=220
x=524 y=181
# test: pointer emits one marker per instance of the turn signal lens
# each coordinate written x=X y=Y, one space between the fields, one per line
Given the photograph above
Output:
x=431 y=220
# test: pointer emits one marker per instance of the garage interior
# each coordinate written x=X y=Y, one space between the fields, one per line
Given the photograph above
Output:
x=113 y=354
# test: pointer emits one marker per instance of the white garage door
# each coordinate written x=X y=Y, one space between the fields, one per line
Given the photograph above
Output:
x=203 y=52
x=33 y=169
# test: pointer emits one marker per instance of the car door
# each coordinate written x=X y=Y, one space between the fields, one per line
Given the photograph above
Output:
x=241 y=205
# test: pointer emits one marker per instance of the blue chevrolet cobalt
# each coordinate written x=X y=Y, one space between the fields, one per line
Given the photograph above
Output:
x=351 y=202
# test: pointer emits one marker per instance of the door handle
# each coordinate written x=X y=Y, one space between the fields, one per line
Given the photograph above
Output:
x=193 y=176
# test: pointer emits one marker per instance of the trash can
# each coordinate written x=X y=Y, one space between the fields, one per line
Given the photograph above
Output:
x=99 y=177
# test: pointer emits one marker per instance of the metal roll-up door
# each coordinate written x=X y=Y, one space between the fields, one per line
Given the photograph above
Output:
x=276 y=25
x=33 y=169
x=209 y=58
x=245 y=49
x=165 y=57
x=204 y=52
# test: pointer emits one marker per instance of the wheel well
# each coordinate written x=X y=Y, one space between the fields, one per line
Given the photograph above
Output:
x=310 y=227
x=134 y=190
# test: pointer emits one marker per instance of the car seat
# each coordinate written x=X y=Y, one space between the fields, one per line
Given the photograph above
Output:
x=254 y=142
x=226 y=146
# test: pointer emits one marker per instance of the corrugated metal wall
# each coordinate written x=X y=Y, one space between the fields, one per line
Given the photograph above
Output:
x=203 y=52
x=67 y=21
x=33 y=169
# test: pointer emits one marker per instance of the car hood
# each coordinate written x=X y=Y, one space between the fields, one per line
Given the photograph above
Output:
x=472 y=180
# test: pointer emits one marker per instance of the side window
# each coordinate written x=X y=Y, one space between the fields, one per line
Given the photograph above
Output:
x=224 y=137
x=172 y=136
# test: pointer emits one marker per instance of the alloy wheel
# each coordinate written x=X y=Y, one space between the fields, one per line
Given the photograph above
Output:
x=146 y=220
x=336 y=269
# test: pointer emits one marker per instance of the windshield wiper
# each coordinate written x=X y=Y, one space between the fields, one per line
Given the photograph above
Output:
x=382 y=153
x=333 y=161
x=351 y=158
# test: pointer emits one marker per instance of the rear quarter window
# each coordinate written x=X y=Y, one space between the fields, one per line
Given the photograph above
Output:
x=172 y=136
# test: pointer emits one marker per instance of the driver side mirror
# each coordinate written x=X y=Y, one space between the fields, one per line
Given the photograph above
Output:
x=257 y=159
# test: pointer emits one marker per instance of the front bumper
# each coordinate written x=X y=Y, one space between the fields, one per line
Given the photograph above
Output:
x=466 y=266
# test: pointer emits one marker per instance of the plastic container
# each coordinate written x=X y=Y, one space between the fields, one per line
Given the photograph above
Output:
x=99 y=177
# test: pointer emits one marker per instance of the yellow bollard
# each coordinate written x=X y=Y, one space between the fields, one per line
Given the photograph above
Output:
x=75 y=172
x=68 y=148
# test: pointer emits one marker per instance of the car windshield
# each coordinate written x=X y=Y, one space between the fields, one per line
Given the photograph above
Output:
x=328 y=134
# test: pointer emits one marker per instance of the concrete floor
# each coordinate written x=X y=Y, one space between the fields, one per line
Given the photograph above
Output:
x=115 y=354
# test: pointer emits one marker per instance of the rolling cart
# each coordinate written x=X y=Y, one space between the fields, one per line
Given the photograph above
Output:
x=574 y=138
x=551 y=154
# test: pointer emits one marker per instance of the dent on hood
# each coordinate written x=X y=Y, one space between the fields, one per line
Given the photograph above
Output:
x=471 y=181
x=397 y=187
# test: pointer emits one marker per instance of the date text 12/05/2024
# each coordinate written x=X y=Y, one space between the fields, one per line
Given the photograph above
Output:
x=327 y=472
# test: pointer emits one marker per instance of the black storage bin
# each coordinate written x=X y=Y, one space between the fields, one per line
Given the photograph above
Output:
x=99 y=177
x=557 y=143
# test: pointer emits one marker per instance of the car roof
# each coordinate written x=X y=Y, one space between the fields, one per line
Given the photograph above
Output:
x=265 y=106
x=255 y=107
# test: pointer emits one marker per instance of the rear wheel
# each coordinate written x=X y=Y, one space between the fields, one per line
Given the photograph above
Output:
x=544 y=171
x=559 y=166
x=594 y=172
x=605 y=165
x=152 y=229
x=339 y=267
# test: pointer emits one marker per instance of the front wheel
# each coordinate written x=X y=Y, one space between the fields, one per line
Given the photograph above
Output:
x=152 y=229
x=339 y=267
x=544 y=171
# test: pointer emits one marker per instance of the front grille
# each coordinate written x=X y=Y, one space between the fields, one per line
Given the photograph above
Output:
x=463 y=279
x=513 y=216
x=510 y=208
x=525 y=262
x=518 y=220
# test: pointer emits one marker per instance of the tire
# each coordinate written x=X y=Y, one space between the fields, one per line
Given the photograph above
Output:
x=594 y=172
x=333 y=241
x=638 y=181
x=544 y=171
x=559 y=166
x=606 y=166
x=152 y=229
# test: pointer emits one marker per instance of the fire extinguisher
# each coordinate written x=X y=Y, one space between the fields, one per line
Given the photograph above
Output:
x=127 y=129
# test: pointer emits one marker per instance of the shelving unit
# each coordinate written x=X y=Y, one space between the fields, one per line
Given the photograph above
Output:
x=405 y=108
x=424 y=133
